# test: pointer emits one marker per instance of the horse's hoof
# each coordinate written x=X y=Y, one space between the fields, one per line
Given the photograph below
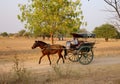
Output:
x=56 y=62
x=50 y=63
x=64 y=57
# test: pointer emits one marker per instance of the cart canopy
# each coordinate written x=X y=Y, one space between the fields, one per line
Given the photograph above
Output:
x=83 y=35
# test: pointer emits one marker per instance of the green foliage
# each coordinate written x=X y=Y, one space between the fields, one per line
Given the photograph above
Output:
x=118 y=35
x=4 y=34
x=105 y=31
x=11 y=34
x=27 y=34
x=24 y=33
x=51 y=16
x=21 y=32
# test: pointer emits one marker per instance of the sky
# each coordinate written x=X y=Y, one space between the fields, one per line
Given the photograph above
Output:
x=92 y=11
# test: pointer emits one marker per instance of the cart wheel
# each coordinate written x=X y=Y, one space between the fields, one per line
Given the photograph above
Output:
x=86 y=56
x=72 y=56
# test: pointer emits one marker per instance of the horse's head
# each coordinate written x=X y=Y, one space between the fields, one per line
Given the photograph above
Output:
x=38 y=44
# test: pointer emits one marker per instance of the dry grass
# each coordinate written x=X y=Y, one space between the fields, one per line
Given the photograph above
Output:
x=111 y=48
x=57 y=74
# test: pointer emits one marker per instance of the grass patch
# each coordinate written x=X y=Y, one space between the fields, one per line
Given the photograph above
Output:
x=66 y=71
x=20 y=74
x=5 y=78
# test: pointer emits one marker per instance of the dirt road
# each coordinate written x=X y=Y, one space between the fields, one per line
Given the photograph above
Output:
x=99 y=61
x=104 y=69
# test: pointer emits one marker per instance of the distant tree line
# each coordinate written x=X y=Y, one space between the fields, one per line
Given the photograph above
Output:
x=21 y=33
x=107 y=31
x=27 y=34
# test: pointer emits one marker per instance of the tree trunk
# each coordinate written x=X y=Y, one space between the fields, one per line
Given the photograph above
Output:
x=52 y=39
x=106 y=39
x=43 y=37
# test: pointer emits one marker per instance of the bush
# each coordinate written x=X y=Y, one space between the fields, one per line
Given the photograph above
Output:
x=21 y=75
x=106 y=31
x=4 y=34
x=21 y=32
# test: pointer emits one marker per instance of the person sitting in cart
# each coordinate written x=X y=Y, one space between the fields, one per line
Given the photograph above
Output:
x=75 y=43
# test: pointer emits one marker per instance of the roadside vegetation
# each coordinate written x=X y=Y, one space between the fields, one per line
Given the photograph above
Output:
x=19 y=64
x=56 y=19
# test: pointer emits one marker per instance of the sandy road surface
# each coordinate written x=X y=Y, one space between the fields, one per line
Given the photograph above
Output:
x=44 y=66
x=103 y=70
x=104 y=67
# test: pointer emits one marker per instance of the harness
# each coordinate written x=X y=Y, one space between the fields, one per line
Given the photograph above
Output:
x=46 y=46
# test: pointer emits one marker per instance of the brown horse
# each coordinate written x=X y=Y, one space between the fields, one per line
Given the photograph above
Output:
x=48 y=49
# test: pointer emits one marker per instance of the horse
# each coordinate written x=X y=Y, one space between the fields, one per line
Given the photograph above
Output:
x=48 y=49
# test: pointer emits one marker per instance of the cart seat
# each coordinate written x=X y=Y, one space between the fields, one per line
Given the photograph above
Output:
x=87 y=44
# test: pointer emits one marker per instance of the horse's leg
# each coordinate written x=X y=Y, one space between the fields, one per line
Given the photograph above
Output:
x=41 y=58
x=49 y=59
x=60 y=56
x=58 y=59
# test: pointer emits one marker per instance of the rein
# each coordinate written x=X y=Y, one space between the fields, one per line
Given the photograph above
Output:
x=45 y=46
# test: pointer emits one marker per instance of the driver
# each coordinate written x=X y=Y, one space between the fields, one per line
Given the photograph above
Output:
x=74 y=42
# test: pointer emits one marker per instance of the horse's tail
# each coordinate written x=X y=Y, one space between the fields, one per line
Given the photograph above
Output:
x=65 y=52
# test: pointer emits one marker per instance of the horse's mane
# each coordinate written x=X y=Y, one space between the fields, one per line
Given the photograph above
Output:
x=42 y=42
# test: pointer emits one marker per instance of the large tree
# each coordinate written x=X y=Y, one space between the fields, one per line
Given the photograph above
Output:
x=50 y=16
x=106 y=31
x=114 y=7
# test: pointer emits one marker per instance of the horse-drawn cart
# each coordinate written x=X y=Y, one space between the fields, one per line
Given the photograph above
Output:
x=82 y=53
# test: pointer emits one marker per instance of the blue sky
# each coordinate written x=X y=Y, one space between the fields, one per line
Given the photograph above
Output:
x=92 y=11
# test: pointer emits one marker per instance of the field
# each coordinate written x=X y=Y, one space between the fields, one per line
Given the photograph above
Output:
x=19 y=64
